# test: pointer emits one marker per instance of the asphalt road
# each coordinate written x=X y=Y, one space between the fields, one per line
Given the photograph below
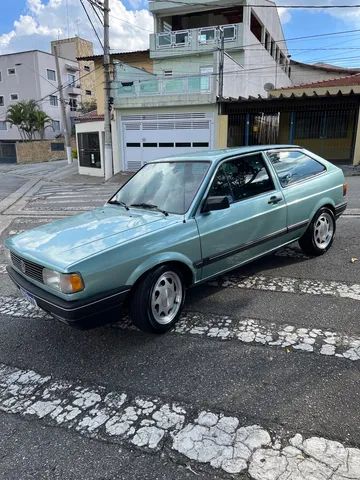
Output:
x=266 y=354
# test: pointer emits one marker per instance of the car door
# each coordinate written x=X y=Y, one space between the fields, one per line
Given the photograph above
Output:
x=303 y=183
x=254 y=222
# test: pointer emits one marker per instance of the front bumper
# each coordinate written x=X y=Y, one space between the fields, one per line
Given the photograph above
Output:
x=73 y=311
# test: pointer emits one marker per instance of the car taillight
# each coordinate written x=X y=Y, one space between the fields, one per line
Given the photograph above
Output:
x=345 y=189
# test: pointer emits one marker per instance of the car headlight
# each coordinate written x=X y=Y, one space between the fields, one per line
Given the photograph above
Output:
x=8 y=256
x=64 y=282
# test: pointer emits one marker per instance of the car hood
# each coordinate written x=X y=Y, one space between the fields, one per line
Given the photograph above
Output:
x=71 y=240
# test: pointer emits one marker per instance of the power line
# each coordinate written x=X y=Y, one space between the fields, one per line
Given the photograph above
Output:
x=131 y=24
x=101 y=20
x=88 y=16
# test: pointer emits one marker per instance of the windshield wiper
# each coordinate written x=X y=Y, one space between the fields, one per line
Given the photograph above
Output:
x=150 y=207
x=118 y=202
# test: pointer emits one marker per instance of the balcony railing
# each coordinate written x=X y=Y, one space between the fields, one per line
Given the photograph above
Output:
x=196 y=39
x=200 y=84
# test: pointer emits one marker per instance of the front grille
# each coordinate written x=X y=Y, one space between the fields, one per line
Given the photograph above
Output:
x=29 y=269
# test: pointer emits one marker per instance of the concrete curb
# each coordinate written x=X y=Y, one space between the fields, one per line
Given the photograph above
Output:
x=19 y=193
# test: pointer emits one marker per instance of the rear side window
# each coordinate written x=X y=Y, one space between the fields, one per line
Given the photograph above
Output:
x=294 y=166
x=242 y=178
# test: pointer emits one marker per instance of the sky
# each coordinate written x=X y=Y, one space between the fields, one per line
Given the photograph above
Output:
x=32 y=24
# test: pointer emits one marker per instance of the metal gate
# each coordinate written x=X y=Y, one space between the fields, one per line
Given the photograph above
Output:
x=253 y=129
x=7 y=152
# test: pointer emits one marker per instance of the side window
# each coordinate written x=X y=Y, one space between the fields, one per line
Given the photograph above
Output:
x=220 y=186
x=250 y=177
x=242 y=178
x=294 y=166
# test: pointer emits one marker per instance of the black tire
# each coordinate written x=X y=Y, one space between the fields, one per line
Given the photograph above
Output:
x=142 y=300
x=310 y=242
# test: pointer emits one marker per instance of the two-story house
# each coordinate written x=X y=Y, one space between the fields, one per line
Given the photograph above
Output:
x=31 y=75
x=202 y=53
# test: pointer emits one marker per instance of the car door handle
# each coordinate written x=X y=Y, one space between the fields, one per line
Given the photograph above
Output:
x=274 y=200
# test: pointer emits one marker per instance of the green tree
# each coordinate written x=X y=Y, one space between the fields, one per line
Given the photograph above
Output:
x=41 y=122
x=88 y=106
x=28 y=118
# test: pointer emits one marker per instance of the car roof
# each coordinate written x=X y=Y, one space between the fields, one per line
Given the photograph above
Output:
x=216 y=155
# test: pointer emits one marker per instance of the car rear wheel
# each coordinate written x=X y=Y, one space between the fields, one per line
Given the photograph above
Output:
x=157 y=300
x=319 y=236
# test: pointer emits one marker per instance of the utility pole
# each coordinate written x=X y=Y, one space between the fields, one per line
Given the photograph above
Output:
x=108 y=161
x=62 y=107
x=221 y=67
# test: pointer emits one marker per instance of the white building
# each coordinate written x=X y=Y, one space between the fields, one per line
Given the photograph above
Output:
x=32 y=75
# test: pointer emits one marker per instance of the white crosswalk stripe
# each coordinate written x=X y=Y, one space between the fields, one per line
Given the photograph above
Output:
x=70 y=198
x=222 y=327
x=211 y=438
x=290 y=285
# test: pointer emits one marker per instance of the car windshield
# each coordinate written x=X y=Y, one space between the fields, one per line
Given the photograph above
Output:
x=166 y=186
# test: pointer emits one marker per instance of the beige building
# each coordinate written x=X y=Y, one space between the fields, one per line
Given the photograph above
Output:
x=139 y=59
x=74 y=48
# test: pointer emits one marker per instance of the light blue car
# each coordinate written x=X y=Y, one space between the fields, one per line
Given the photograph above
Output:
x=178 y=222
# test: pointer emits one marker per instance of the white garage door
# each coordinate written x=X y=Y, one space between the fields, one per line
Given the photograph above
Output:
x=148 y=137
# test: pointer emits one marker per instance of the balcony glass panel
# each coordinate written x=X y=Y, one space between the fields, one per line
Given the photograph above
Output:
x=181 y=38
x=149 y=87
x=207 y=35
x=230 y=33
x=200 y=84
x=175 y=85
x=194 y=84
x=126 y=89
x=164 y=40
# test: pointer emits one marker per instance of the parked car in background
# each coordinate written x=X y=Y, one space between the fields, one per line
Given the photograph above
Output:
x=178 y=222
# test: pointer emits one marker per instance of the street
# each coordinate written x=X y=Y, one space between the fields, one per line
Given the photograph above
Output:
x=259 y=379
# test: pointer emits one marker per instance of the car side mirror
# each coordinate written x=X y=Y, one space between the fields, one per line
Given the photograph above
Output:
x=215 y=203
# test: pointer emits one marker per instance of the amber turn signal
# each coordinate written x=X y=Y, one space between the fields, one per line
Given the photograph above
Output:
x=345 y=189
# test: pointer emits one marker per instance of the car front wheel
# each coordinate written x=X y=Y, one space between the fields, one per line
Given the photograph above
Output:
x=319 y=236
x=157 y=300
